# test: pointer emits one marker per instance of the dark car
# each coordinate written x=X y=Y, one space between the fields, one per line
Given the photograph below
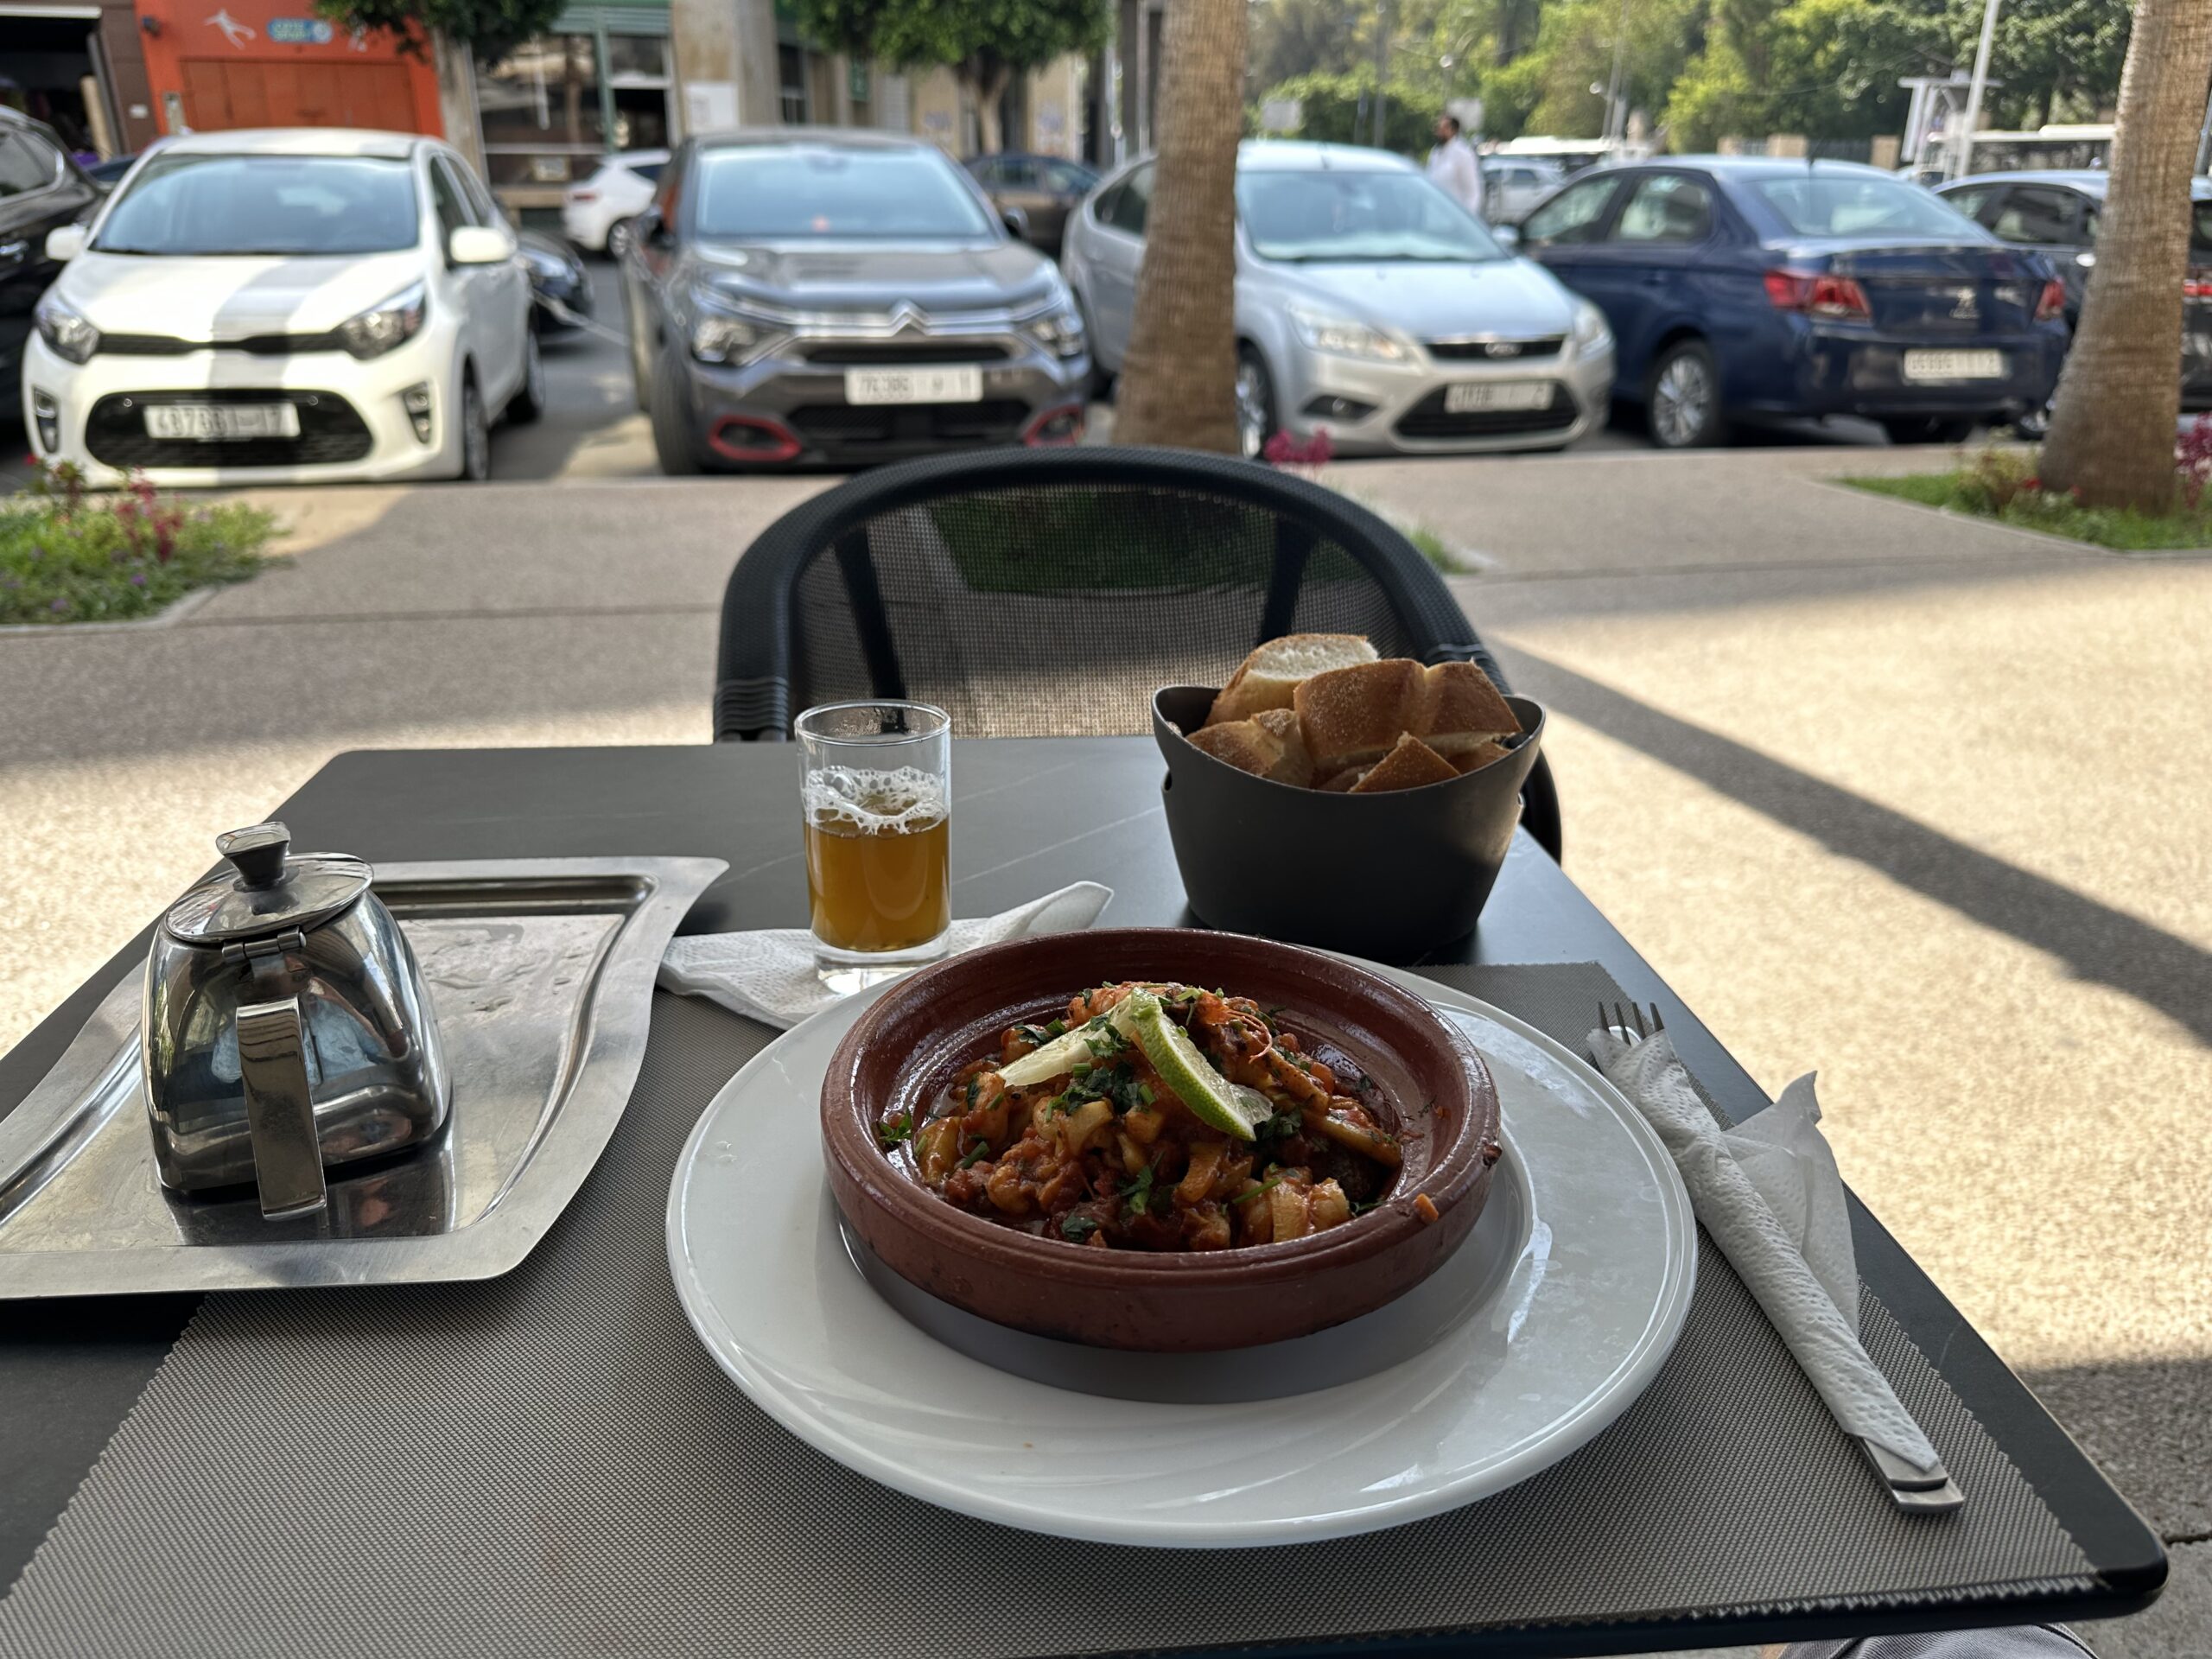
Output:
x=1044 y=189
x=834 y=295
x=40 y=189
x=560 y=289
x=1741 y=288
x=2057 y=213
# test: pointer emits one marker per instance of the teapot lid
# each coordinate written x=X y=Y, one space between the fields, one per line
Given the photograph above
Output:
x=267 y=889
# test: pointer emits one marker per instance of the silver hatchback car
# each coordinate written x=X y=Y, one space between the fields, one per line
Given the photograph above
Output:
x=1368 y=303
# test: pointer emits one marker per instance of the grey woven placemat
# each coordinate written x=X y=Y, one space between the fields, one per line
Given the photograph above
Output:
x=549 y=1464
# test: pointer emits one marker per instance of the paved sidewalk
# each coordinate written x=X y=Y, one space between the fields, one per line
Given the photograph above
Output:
x=1917 y=802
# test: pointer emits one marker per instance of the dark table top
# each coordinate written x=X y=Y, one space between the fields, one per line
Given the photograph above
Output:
x=1030 y=815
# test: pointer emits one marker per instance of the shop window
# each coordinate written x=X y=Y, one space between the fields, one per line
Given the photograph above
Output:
x=791 y=65
x=543 y=118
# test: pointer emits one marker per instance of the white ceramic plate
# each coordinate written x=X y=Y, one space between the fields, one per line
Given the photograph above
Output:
x=1598 y=1259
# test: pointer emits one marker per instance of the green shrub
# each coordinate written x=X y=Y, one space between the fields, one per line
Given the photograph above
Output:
x=1332 y=112
x=70 y=555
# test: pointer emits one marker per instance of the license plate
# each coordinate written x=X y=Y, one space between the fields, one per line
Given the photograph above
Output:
x=1484 y=397
x=1921 y=366
x=959 y=385
x=221 y=423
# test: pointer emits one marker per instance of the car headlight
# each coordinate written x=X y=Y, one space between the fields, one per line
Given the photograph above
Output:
x=1058 y=331
x=723 y=336
x=1592 y=336
x=379 y=328
x=1343 y=337
x=65 y=332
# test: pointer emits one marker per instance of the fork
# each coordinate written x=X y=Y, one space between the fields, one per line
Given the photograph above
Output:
x=1910 y=1489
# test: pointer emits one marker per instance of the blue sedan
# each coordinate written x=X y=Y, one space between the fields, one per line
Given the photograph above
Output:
x=1741 y=288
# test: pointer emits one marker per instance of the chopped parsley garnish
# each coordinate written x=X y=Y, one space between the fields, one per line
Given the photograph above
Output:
x=975 y=1087
x=1076 y=1229
x=894 y=1130
x=1282 y=1126
x=1056 y=1028
x=982 y=1150
x=1137 y=1194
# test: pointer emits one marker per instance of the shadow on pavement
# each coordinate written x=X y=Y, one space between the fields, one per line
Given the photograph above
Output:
x=2097 y=943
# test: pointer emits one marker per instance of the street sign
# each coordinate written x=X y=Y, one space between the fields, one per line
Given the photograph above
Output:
x=300 y=31
x=1282 y=115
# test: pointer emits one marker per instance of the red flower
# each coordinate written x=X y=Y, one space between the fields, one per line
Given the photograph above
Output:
x=2031 y=483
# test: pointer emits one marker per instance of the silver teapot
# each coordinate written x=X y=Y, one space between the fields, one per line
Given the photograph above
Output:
x=286 y=1026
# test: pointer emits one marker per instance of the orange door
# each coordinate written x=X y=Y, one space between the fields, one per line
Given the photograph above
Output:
x=223 y=93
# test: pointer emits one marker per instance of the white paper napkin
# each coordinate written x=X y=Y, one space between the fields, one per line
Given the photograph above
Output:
x=1786 y=1233
x=768 y=975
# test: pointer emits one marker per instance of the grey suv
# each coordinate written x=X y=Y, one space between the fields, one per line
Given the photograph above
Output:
x=836 y=296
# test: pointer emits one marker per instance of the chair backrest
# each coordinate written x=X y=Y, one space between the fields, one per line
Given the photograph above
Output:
x=1049 y=592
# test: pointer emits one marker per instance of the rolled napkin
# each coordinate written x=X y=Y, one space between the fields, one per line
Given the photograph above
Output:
x=1806 y=1312
x=768 y=975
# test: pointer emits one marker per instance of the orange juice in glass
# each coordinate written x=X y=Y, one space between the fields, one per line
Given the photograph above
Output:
x=876 y=794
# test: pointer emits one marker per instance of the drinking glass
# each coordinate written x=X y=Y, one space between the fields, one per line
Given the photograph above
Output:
x=876 y=791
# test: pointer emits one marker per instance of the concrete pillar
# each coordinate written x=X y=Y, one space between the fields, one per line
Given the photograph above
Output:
x=725 y=62
x=841 y=104
x=1134 y=40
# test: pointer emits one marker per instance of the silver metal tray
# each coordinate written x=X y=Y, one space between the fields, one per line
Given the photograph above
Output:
x=542 y=975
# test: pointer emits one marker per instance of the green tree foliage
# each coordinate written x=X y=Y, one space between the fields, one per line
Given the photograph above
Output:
x=984 y=42
x=1703 y=70
x=1303 y=37
x=1338 y=110
x=488 y=26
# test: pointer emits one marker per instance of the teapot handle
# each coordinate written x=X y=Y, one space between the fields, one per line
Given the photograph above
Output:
x=279 y=1099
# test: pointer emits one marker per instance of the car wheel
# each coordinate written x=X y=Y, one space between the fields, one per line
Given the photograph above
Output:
x=475 y=432
x=1929 y=428
x=1683 y=400
x=1255 y=403
x=618 y=240
x=675 y=443
x=1102 y=378
x=529 y=401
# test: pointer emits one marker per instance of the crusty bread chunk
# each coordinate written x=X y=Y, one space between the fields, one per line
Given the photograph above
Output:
x=1354 y=716
x=1475 y=759
x=1267 y=677
x=1411 y=764
x=1461 y=711
x=1270 y=745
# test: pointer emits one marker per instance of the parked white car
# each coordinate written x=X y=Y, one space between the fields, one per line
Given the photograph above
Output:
x=595 y=214
x=1368 y=303
x=1511 y=187
x=295 y=306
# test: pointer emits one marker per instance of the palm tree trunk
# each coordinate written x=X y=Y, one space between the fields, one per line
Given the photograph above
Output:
x=2112 y=435
x=1179 y=378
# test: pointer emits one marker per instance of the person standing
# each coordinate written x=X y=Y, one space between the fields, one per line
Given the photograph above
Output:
x=1454 y=167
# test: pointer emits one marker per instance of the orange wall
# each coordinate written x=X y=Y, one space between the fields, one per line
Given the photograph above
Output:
x=230 y=63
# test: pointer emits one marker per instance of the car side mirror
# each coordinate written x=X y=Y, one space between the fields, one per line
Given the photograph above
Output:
x=480 y=244
x=1016 y=220
x=1508 y=237
x=65 y=242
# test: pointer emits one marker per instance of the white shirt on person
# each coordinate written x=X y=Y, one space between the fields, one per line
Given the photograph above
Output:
x=1454 y=169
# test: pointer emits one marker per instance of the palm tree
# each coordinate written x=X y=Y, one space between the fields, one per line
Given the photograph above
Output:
x=2112 y=435
x=1179 y=378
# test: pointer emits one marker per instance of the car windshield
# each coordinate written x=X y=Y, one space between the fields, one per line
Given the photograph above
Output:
x=765 y=194
x=1324 y=216
x=1845 y=204
x=202 y=204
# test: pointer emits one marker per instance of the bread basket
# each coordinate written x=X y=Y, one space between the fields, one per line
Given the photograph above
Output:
x=1390 y=875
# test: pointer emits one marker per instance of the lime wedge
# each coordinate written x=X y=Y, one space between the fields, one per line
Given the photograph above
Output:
x=1213 y=1100
x=1063 y=1053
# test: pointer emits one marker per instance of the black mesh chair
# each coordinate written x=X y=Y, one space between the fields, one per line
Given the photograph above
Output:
x=1047 y=593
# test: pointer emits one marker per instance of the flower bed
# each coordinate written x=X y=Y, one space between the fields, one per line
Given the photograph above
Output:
x=68 y=554
x=2002 y=485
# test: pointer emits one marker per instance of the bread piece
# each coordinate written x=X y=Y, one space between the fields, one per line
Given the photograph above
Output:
x=1354 y=716
x=1475 y=759
x=1268 y=746
x=1409 y=765
x=1267 y=677
x=1461 y=711
x=1344 y=782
